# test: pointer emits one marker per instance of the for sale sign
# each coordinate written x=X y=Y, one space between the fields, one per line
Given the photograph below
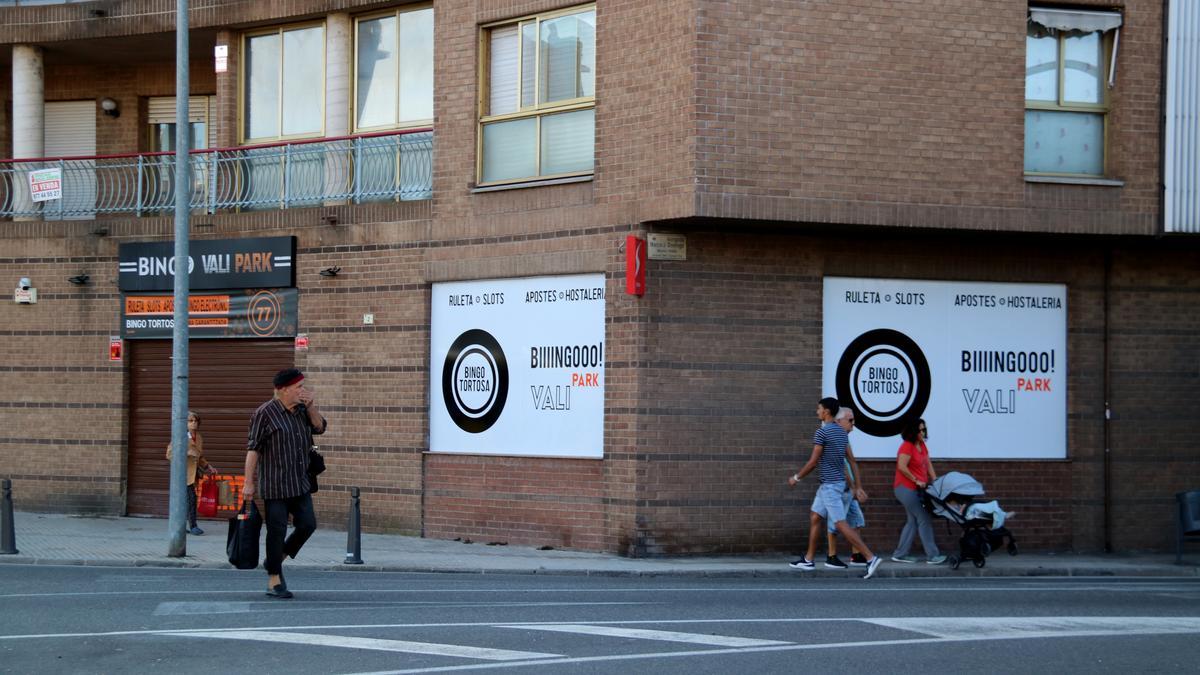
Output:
x=45 y=184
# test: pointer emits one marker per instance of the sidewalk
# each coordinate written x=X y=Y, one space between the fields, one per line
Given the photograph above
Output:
x=58 y=539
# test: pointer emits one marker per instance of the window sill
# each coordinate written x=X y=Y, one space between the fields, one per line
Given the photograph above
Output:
x=532 y=183
x=1075 y=180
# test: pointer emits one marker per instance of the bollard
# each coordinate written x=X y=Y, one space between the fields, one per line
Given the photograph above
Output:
x=353 y=532
x=8 y=535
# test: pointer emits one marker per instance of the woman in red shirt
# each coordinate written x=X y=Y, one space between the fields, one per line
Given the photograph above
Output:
x=914 y=471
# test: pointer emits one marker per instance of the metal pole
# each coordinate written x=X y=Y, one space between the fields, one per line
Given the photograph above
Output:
x=179 y=366
x=353 y=532
x=8 y=535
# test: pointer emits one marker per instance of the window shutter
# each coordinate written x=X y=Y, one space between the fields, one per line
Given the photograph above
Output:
x=503 y=71
x=70 y=129
x=161 y=109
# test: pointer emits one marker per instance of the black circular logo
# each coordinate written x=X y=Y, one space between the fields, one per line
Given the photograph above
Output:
x=475 y=381
x=884 y=376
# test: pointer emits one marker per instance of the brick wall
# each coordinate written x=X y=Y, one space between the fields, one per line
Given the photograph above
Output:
x=704 y=109
x=904 y=113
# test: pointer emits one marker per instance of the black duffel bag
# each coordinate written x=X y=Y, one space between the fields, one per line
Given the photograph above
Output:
x=242 y=542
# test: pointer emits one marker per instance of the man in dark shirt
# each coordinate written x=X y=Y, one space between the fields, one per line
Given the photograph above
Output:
x=281 y=433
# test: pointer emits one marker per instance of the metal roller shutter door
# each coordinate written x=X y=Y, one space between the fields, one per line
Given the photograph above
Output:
x=69 y=130
x=228 y=379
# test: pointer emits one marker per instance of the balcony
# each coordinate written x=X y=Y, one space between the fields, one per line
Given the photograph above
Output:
x=393 y=166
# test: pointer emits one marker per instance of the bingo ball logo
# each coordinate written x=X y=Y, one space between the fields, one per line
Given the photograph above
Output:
x=883 y=374
x=475 y=381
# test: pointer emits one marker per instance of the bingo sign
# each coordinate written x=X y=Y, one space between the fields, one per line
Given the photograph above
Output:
x=984 y=364
x=517 y=367
x=45 y=184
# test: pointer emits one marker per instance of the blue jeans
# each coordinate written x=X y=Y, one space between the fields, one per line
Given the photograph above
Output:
x=304 y=520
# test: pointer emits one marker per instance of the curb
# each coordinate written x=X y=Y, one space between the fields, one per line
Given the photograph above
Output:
x=1074 y=571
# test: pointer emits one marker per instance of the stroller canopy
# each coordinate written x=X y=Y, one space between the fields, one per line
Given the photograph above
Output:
x=955 y=483
x=951 y=483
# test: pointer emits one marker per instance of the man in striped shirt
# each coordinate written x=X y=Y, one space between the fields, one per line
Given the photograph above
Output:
x=280 y=439
x=829 y=456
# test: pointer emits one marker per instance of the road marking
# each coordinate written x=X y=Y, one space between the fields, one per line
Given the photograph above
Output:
x=193 y=608
x=1034 y=627
x=201 y=607
x=372 y=643
x=642 y=634
x=1066 y=627
x=1120 y=620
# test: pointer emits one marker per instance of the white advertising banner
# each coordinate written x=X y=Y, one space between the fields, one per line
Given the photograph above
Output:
x=984 y=364
x=517 y=367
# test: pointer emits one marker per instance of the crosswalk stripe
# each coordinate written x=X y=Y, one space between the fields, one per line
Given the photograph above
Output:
x=194 y=608
x=968 y=628
x=371 y=643
x=661 y=635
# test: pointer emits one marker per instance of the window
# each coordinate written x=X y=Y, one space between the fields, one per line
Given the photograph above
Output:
x=1068 y=57
x=283 y=92
x=393 y=69
x=537 y=111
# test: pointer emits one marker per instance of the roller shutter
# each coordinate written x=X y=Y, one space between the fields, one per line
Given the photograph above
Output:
x=161 y=110
x=228 y=379
x=70 y=131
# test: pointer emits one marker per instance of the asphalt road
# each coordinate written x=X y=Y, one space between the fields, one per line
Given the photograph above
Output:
x=112 y=620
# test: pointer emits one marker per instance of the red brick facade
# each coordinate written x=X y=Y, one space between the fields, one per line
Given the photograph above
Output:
x=788 y=141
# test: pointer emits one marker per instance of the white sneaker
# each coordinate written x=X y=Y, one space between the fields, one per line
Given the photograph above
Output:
x=804 y=565
x=872 y=565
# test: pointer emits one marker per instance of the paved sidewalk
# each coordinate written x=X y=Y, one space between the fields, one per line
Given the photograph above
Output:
x=56 y=539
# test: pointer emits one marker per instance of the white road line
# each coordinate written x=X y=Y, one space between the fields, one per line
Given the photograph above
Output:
x=405 y=646
x=662 y=635
x=201 y=607
x=1034 y=627
x=1123 y=620
x=193 y=608
x=1070 y=627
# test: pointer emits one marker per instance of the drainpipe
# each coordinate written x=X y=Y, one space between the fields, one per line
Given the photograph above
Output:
x=1107 y=398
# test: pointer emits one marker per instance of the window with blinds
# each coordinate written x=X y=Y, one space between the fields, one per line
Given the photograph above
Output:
x=160 y=115
x=537 y=117
x=1069 y=65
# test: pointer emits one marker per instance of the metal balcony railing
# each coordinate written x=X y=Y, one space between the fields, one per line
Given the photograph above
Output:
x=353 y=169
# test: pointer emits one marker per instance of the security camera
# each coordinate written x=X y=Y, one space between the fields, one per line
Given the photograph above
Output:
x=25 y=284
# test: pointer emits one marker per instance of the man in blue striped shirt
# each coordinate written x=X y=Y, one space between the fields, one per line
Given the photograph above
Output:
x=828 y=458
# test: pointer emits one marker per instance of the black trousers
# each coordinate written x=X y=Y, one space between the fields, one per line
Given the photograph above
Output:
x=304 y=520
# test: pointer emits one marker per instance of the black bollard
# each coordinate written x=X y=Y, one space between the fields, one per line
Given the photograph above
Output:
x=8 y=534
x=353 y=532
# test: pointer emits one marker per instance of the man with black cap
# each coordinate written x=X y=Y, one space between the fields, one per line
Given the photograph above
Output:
x=277 y=452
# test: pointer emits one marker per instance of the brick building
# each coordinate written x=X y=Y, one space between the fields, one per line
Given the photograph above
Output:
x=415 y=160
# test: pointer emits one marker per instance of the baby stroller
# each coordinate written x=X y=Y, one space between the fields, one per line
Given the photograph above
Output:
x=951 y=496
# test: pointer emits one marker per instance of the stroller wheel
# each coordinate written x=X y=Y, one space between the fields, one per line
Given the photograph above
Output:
x=980 y=562
x=1012 y=548
x=954 y=562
